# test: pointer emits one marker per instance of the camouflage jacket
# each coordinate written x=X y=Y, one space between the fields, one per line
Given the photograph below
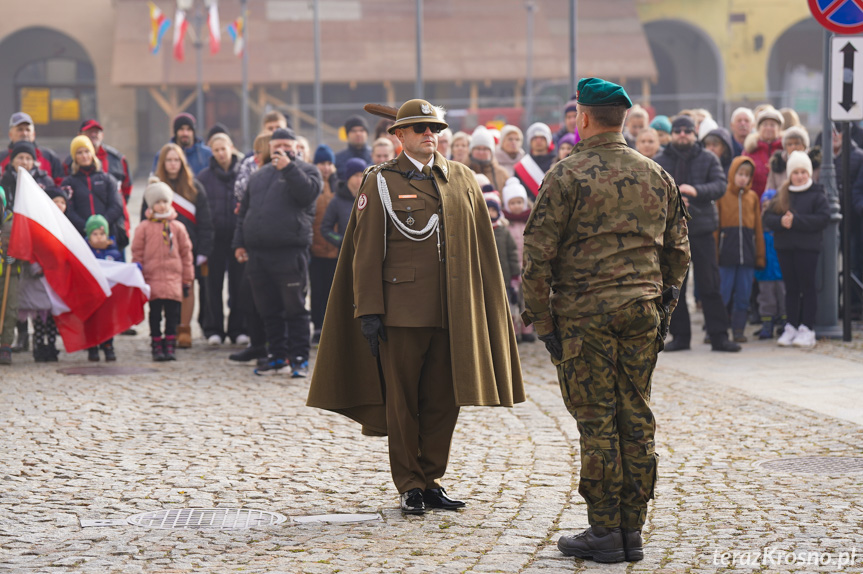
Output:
x=608 y=229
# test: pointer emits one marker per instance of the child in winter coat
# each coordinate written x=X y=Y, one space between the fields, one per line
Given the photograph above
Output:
x=741 y=242
x=771 y=288
x=96 y=229
x=163 y=249
x=798 y=215
x=516 y=210
x=338 y=212
x=507 y=252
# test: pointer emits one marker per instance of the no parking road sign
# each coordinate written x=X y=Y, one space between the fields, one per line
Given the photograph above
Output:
x=839 y=16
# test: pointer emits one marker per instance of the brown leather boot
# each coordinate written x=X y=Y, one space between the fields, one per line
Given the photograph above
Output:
x=596 y=543
x=184 y=337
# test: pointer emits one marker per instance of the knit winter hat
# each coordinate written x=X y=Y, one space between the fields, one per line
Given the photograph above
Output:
x=509 y=129
x=95 y=222
x=355 y=121
x=492 y=199
x=571 y=106
x=184 y=119
x=460 y=135
x=157 y=190
x=706 y=126
x=567 y=139
x=324 y=153
x=539 y=129
x=218 y=128
x=770 y=113
x=799 y=160
x=682 y=122
x=481 y=179
x=354 y=166
x=22 y=146
x=77 y=143
x=283 y=134
x=57 y=191
x=798 y=132
x=481 y=137
x=513 y=189
x=661 y=124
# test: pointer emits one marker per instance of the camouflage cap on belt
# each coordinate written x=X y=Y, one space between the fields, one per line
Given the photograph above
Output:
x=415 y=112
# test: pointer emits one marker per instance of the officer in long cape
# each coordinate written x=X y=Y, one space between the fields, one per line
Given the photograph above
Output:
x=417 y=322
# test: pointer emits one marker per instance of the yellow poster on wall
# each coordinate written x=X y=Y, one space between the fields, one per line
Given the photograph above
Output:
x=34 y=101
x=65 y=110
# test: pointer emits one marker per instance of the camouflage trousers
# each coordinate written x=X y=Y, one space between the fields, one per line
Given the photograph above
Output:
x=605 y=376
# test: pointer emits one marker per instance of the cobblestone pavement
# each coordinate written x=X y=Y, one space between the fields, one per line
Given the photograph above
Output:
x=204 y=433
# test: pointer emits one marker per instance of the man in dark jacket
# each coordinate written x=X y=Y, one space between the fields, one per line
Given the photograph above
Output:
x=197 y=153
x=701 y=180
x=357 y=132
x=21 y=128
x=274 y=233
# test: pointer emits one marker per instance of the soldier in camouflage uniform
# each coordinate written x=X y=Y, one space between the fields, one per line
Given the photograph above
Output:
x=605 y=244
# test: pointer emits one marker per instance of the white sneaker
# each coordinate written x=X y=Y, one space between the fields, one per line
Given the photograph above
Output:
x=805 y=337
x=243 y=340
x=214 y=340
x=787 y=337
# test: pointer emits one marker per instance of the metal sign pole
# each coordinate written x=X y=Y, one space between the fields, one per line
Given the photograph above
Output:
x=573 y=32
x=827 y=319
x=319 y=132
x=846 y=231
x=199 y=45
x=244 y=118
x=528 y=116
x=419 y=87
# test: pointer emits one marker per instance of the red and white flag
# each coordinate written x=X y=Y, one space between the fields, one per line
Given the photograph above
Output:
x=215 y=27
x=530 y=174
x=41 y=233
x=180 y=27
x=123 y=309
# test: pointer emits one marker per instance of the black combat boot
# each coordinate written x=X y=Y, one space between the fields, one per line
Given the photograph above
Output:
x=677 y=344
x=93 y=354
x=596 y=543
x=723 y=344
x=633 y=547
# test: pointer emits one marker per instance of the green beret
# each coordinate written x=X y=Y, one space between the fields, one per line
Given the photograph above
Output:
x=95 y=222
x=598 y=92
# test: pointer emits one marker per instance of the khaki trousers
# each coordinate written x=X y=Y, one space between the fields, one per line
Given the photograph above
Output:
x=420 y=402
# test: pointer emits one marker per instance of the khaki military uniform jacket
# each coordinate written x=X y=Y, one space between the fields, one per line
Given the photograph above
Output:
x=381 y=272
x=608 y=229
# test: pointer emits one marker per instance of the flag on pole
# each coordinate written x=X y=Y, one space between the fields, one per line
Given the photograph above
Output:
x=122 y=310
x=41 y=233
x=180 y=26
x=215 y=28
x=236 y=30
x=159 y=24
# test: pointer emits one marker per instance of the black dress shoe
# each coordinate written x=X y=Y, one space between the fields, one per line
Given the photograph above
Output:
x=437 y=498
x=723 y=344
x=412 y=502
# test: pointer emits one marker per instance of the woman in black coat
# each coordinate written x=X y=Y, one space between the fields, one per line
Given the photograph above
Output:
x=92 y=191
x=218 y=180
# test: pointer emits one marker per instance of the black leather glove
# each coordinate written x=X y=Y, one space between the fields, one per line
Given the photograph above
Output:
x=372 y=328
x=553 y=345
x=187 y=289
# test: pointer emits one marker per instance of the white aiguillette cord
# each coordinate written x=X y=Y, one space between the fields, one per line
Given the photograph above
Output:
x=433 y=225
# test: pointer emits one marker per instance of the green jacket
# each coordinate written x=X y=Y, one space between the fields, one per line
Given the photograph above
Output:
x=608 y=229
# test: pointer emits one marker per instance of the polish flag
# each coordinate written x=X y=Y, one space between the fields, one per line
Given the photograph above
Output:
x=180 y=26
x=123 y=309
x=215 y=28
x=41 y=233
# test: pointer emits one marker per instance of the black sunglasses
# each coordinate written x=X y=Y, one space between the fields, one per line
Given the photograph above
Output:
x=686 y=131
x=421 y=128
